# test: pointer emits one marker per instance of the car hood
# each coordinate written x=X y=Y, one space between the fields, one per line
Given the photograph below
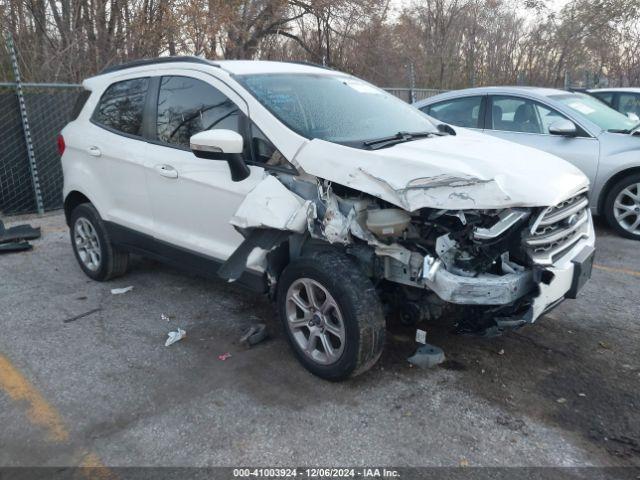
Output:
x=465 y=171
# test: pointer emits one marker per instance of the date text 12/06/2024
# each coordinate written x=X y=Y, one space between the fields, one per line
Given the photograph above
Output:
x=315 y=473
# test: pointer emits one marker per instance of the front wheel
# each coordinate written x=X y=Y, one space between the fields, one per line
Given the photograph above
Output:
x=622 y=207
x=332 y=315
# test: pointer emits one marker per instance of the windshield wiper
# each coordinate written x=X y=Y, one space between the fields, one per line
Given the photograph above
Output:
x=624 y=130
x=399 y=137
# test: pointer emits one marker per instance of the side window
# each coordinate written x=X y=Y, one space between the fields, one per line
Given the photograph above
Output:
x=121 y=106
x=463 y=112
x=606 y=97
x=514 y=114
x=629 y=103
x=187 y=106
x=81 y=99
x=265 y=152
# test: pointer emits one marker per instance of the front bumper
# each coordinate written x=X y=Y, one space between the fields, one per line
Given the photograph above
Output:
x=544 y=285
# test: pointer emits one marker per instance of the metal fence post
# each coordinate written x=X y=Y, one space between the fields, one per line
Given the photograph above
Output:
x=33 y=168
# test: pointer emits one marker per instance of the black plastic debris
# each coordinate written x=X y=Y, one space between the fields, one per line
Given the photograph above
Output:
x=14 y=239
x=256 y=334
x=15 y=247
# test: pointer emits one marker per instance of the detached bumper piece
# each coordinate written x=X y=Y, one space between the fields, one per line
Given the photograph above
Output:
x=14 y=239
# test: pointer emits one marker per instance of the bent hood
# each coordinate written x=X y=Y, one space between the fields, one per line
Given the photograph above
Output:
x=466 y=171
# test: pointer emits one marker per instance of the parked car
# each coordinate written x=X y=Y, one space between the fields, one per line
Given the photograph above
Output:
x=624 y=100
x=603 y=143
x=326 y=193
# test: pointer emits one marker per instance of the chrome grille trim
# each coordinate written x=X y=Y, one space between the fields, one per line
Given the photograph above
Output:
x=557 y=228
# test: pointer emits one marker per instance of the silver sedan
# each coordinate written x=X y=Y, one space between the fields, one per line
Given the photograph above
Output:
x=600 y=141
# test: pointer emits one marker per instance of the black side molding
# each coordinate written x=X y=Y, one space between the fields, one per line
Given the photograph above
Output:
x=127 y=239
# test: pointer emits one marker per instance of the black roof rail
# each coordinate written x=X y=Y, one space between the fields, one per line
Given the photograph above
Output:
x=152 y=61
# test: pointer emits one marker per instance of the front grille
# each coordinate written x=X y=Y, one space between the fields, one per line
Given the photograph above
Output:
x=557 y=229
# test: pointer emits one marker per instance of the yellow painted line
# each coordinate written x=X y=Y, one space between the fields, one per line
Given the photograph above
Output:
x=617 y=270
x=39 y=411
x=92 y=468
x=44 y=415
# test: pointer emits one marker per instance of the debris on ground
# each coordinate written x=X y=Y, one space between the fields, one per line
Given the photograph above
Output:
x=15 y=247
x=421 y=336
x=179 y=334
x=120 y=291
x=561 y=400
x=166 y=318
x=501 y=351
x=254 y=335
x=19 y=232
x=427 y=356
x=82 y=315
x=582 y=394
x=604 y=345
x=224 y=356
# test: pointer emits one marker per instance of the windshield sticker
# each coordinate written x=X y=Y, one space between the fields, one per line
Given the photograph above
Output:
x=362 y=87
x=582 y=108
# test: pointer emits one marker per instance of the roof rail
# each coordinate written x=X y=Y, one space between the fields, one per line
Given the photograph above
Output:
x=152 y=61
x=311 y=64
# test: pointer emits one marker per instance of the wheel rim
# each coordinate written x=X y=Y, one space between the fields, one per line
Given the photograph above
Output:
x=626 y=208
x=87 y=244
x=315 y=321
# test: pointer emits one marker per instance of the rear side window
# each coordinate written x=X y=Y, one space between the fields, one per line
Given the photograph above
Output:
x=606 y=97
x=82 y=98
x=122 y=105
x=629 y=103
x=187 y=106
x=463 y=112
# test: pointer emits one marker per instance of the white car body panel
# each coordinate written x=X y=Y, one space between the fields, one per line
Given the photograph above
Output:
x=192 y=203
x=447 y=172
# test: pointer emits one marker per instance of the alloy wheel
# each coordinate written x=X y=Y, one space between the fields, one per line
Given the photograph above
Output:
x=315 y=321
x=626 y=208
x=87 y=244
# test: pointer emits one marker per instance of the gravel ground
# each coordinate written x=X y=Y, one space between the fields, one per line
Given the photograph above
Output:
x=563 y=392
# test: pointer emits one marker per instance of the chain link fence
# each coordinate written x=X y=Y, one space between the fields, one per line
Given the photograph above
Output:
x=47 y=107
x=411 y=95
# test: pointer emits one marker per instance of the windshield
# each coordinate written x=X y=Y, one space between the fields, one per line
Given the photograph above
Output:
x=335 y=108
x=593 y=109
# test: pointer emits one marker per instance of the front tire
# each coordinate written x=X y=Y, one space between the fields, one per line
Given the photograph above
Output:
x=622 y=207
x=93 y=249
x=332 y=315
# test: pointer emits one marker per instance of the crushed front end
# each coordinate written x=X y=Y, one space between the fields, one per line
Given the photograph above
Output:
x=509 y=266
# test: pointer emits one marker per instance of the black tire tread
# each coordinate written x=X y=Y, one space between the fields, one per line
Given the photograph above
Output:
x=357 y=295
x=116 y=262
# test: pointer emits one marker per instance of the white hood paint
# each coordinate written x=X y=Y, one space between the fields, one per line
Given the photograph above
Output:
x=466 y=171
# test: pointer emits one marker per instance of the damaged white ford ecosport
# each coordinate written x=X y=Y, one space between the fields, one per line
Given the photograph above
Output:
x=340 y=201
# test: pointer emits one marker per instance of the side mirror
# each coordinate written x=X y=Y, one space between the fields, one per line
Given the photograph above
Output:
x=563 y=127
x=633 y=117
x=224 y=145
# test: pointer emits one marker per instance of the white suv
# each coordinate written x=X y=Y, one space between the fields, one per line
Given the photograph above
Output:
x=341 y=202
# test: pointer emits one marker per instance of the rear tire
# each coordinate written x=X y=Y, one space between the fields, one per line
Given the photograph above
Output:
x=338 y=330
x=95 y=253
x=622 y=207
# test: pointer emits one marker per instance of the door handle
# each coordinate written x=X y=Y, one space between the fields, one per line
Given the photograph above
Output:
x=94 y=151
x=167 y=171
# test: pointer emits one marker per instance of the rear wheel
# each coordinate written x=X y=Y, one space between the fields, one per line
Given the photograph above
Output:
x=622 y=207
x=331 y=314
x=97 y=257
